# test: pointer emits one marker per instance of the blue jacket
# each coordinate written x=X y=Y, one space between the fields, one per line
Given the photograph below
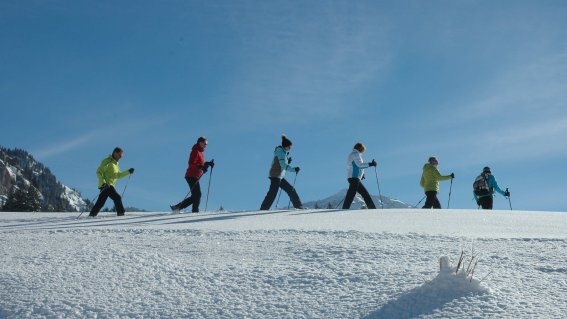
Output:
x=280 y=163
x=493 y=186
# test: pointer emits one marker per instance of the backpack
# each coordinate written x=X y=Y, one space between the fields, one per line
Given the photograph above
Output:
x=480 y=185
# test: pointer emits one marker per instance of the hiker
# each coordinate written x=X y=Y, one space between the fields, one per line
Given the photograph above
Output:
x=280 y=165
x=107 y=173
x=196 y=168
x=355 y=175
x=430 y=182
x=483 y=189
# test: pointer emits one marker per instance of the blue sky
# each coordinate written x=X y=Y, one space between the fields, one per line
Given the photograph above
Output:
x=475 y=83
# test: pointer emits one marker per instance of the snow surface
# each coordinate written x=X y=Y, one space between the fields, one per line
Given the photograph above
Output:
x=284 y=264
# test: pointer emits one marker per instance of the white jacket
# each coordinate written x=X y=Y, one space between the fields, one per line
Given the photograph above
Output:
x=355 y=165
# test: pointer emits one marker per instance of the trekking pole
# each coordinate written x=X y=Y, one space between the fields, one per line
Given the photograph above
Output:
x=377 y=183
x=419 y=202
x=125 y=186
x=92 y=201
x=339 y=204
x=450 y=189
x=292 y=189
x=279 y=194
x=509 y=202
x=209 y=187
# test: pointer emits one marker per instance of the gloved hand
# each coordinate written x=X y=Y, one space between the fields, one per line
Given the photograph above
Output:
x=210 y=164
x=204 y=168
x=373 y=163
x=297 y=169
x=289 y=160
x=452 y=175
x=507 y=193
x=131 y=170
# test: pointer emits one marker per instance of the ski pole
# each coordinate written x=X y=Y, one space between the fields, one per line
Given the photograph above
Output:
x=292 y=189
x=450 y=189
x=509 y=202
x=209 y=187
x=125 y=186
x=279 y=194
x=419 y=202
x=339 y=204
x=92 y=201
x=377 y=183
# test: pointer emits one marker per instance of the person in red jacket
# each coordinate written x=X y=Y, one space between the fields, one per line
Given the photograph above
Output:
x=197 y=167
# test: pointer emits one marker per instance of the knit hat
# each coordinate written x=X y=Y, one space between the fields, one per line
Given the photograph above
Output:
x=285 y=141
x=433 y=160
x=486 y=169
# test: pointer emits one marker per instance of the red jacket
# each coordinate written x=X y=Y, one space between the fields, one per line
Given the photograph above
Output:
x=196 y=162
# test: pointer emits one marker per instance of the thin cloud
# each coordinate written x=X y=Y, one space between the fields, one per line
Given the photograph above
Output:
x=294 y=63
x=74 y=143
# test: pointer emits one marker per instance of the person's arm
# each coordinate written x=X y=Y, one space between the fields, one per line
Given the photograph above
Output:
x=493 y=184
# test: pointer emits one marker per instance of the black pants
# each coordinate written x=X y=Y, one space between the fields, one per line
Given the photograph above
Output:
x=275 y=184
x=195 y=197
x=486 y=202
x=356 y=186
x=105 y=193
x=432 y=200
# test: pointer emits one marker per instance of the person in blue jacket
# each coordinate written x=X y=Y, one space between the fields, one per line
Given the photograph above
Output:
x=280 y=165
x=355 y=174
x=483 y=189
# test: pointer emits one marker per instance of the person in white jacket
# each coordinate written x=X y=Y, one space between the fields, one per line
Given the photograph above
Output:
x=355 y=174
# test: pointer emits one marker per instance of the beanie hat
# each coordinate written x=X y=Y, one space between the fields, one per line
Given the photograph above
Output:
x=433 y=160
x=285 y=141
x=486 y=169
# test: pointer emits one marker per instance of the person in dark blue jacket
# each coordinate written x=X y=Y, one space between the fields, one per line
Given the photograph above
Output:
x=483 y=189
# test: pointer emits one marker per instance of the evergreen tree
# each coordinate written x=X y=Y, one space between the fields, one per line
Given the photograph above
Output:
x=23 y=199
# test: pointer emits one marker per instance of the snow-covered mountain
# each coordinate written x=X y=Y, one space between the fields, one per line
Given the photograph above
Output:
x=334 y=200
x=18 y=169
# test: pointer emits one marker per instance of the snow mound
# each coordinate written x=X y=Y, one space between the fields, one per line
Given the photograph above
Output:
x=449 y=285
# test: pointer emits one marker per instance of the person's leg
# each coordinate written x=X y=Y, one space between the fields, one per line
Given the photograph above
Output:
x=436 y=202
x=271 y=195
x=352 y=187
x=117 y=199
x=192 y=182
x=431 y=196
x=100 y=202
x=195 y=193
x=366 y=196
x=290 y=190
x=486 y=202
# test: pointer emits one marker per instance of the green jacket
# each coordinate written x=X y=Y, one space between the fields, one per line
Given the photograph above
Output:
x=108 y=172
x=431 y=177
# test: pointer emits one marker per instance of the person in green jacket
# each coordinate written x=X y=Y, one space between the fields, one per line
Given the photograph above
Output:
x=107 y=173
x=430 y=182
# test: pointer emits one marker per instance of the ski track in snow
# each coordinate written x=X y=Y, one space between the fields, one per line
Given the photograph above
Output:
x=281 y=264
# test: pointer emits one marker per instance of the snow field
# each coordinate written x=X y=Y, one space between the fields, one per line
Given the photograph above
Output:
x=231 y=265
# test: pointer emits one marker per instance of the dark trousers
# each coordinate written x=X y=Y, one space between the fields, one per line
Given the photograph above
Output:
x=486 y=202
x=195 y=197
x=105 y=193
x=356 y=186
x=275 y=184
x=432 y=200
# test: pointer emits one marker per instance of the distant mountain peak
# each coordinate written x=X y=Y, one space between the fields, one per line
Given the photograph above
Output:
x=19 y=169
x=334 y=200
